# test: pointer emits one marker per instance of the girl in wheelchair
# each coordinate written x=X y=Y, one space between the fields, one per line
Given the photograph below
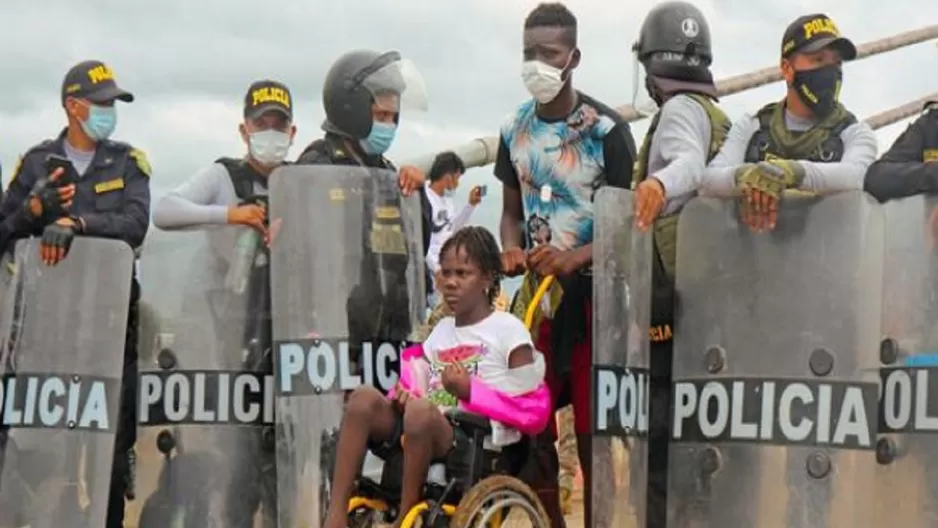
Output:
x=479 y=360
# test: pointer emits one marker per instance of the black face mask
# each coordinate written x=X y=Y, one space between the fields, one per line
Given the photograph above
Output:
x=653 y=91
x=819 y=89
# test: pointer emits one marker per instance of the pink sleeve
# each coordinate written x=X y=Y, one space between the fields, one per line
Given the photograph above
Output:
x=528 y=413
x=407 y=381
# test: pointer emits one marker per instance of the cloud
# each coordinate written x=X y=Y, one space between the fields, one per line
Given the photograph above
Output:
x=190 y=62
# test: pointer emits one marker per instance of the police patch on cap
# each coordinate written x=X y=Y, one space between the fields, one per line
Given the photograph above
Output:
x=812 y=33
x=93 y=80
x=267 y=95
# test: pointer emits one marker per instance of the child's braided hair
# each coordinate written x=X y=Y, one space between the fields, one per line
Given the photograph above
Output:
x=482 y=249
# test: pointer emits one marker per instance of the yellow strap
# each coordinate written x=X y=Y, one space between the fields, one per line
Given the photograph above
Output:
x=542 y=289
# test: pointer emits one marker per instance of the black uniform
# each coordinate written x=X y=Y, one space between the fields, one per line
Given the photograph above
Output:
x=910 y=166
x=382 y=275
x=112 y=200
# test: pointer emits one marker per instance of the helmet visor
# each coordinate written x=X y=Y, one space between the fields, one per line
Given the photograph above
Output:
x=641 y=100
x=395 y=84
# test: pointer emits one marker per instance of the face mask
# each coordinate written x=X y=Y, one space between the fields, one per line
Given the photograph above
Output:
x=269 y=147
x=543 y=81
x=819 y=89
x=101 y=122
x=380 y=138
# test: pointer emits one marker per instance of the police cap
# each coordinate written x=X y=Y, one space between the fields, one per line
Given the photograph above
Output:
x=812 y=33
x=266 y=95
x=94 y=81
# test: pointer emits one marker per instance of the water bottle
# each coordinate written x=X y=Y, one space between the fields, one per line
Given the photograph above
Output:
x=241 y=261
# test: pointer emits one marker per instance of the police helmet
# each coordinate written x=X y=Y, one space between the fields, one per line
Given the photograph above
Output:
x=674 y=43
x=351 y=85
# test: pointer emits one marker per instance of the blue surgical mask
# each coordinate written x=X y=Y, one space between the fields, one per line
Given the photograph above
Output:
x=380 y=138
x=101 y=122
x=449 y=193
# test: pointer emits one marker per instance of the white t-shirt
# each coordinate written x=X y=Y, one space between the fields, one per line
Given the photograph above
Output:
x=484 y=349
x=444 y=222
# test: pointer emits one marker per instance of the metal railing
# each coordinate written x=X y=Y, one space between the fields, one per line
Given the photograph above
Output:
x=481 y=151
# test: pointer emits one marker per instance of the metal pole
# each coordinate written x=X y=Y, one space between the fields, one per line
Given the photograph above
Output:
x=481 y=151
x=894 y=115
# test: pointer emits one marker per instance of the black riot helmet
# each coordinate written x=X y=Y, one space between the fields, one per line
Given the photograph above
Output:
x=674 y=44
x=354 y=82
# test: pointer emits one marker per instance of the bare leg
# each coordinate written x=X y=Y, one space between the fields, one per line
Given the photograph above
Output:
x=429 y=435
x=368 y=414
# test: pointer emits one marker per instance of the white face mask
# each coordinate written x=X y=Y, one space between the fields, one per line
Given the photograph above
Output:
x=542 y=80
x=269 y=147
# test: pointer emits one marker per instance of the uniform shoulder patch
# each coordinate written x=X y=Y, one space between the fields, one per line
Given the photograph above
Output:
x=17 y=168
x=143 y=163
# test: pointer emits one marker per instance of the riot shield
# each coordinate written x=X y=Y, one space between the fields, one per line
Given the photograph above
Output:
x=907 y=474
x=62 y=335
x=621 y=318
x=205 y=406
x=774 y=397
x=347 y=283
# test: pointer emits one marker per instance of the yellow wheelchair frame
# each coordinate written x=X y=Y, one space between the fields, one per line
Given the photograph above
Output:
x=475 y=498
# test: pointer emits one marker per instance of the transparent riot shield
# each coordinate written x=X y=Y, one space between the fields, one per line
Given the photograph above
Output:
x=62 y=335
x=347 y=282
x=205 y=405
x=907 y=475
x=775 y=387
x=621 y=318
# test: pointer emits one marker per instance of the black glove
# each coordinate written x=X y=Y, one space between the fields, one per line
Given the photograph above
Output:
x=58 y=236
x=48 y=196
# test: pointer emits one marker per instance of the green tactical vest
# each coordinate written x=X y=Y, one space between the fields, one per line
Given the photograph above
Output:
x=665 y=232
x=826 y=146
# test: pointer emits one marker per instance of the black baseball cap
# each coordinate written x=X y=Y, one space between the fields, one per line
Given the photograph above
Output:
x=94 y=81
x=812 y=33
x=268 y=95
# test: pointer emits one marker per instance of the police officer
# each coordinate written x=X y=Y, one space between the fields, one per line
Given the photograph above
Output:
x=675 y=50
x=108 y=195
x=910 y=166
x=233 y=191
x=221 y=193
x=807 y=141
x=362 y=96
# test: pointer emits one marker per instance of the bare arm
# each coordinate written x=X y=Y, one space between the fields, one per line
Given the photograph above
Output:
x=512 y=210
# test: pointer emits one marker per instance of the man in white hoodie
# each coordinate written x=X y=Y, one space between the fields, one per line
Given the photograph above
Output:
x=440 y=217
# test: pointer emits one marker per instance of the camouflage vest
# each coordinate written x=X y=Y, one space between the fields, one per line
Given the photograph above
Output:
x=827 y=148
x=665 y=232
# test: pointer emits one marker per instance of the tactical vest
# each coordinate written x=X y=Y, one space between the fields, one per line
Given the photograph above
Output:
x=829 y=149
x=243 y=177
x=665 y=231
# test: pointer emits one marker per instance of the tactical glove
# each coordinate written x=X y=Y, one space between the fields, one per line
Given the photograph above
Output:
x=770 y=177
x=58 y=236
x=49 y=200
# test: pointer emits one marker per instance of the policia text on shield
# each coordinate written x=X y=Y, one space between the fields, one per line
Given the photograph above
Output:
x=749 y=438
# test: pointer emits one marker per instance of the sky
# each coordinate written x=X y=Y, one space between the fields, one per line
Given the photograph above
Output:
x=189 y=64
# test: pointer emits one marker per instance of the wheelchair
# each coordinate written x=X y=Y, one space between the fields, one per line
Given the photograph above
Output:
x=474 y=486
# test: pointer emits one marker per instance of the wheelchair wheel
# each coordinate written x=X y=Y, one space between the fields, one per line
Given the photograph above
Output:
x=496 y=502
